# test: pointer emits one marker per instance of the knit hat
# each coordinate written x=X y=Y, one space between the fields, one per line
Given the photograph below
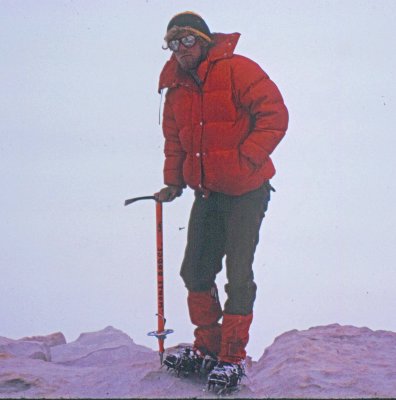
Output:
x=190 y=22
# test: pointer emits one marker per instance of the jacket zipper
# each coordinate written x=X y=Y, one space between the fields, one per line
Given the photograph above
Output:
x=201 y=123
x=200 y=153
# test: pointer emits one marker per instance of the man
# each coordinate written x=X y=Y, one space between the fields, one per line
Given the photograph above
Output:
x=222 y=119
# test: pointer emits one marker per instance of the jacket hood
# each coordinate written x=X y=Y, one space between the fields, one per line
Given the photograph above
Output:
x=223 y=47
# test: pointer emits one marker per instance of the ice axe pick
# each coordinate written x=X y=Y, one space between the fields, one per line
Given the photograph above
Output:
x=161 y=332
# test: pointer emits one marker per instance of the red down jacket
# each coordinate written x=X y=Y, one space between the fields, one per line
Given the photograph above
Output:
x=219 y=137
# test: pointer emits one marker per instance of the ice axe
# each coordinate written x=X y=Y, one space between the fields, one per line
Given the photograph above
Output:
x=161 y=332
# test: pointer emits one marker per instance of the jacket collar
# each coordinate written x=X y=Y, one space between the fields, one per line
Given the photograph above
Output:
x=172 y=75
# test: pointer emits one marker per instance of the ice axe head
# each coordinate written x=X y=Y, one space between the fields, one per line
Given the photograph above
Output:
x=130 y=201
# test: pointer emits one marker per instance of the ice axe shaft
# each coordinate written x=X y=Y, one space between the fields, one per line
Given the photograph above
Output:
x=160 y=275
x=161 y=333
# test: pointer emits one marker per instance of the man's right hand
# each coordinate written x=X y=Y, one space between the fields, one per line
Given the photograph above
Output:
x=168 y=193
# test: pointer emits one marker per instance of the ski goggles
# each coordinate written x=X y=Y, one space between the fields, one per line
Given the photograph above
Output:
x=187 y=41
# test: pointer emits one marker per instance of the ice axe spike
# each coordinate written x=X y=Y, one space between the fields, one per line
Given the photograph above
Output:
x=161 y=332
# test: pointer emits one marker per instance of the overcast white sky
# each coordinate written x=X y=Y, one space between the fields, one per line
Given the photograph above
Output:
x=80 y=134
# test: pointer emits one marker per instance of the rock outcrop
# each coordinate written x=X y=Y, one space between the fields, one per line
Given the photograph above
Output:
x=328 y=361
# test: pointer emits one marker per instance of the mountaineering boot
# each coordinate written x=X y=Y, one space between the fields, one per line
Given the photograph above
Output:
x=205 y=312
x=226 y=376
x=230 y=369
x=189 y=360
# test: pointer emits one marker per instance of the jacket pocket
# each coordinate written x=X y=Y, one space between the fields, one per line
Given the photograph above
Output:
x=246 y=161
x=227 y=170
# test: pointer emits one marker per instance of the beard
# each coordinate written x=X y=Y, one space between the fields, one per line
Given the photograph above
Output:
x=189 y=62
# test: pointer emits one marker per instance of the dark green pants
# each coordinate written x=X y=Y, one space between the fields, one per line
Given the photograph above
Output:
x=219 y=226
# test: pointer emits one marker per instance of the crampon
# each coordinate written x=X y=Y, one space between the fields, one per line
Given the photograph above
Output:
x=189 y=361
x=226 y=377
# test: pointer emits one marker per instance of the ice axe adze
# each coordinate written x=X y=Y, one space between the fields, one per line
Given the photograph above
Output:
x=161 y=332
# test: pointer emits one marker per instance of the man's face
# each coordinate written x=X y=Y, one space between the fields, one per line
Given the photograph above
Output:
x=189 y=57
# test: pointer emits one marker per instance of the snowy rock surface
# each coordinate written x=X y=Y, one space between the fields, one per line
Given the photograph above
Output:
x=328 y=361
x=26 y=349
